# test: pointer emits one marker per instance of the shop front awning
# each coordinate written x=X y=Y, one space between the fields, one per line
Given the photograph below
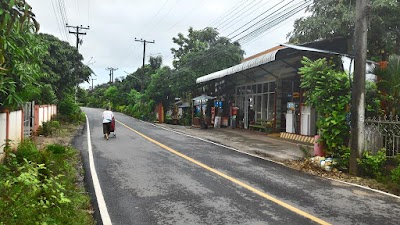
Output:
x=274 y=63
x=269 y=57
x=199 y=100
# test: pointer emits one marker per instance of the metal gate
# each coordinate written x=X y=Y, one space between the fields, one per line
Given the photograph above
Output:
x=383 y=132
x=29 y=111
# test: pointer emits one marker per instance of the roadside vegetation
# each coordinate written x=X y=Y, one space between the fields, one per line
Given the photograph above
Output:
x=41 y=182
x=40 y=186
x=327 y=89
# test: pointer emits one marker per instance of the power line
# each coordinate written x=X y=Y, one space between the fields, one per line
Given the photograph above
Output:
x=189 y=12
x=255 y=18
x=217 y=22
x=261 y=20
x=279 y=18
x=238 y=14
x=242 y=16
x=160 y=20
x=61 y=30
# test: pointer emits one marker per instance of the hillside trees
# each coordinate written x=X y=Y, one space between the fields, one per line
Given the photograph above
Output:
x=335 y=18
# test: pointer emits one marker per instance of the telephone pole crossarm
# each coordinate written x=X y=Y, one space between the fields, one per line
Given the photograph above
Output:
x=144 y=57
x=77 y=33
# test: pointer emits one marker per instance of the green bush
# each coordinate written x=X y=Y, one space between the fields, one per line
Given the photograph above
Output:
x=372 y=165
x=50 y=128
x=328 y=91
x=39 y=187
x=27 y=150
x=69 y=111
x=395 y=175
x=56 y=149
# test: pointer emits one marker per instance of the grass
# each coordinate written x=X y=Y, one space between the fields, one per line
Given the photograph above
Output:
x=43 y=186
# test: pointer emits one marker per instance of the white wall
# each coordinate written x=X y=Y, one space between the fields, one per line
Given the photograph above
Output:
x=2 y=131
x=15 y=128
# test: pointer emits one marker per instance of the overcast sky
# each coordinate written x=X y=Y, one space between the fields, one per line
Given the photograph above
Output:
x=114 y=24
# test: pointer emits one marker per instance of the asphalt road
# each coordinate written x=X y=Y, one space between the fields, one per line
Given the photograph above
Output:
x=151 y=175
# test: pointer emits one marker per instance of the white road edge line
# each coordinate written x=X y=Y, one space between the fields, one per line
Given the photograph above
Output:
x=105 y=217
x=331 y=179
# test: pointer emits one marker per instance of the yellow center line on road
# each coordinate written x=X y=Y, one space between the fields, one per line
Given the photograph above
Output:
x=248 y=187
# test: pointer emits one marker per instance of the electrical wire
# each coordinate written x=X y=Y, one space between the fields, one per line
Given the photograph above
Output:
x=242 y=16
x=273 y=22
x=276 y=5
x=238 y=14
x=220 y=20
x=262 y=20
x=60 y=22
x=190 y=12
x=161 y=18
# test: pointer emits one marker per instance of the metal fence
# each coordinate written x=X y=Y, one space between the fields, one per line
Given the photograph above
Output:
x=28 y=109
x=383 y=133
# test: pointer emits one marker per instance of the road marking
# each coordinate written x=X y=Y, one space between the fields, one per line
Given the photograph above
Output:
x=105 y=217
x=248 y=187
x=217 y=144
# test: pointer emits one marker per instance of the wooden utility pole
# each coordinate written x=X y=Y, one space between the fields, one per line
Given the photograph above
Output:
x=144 y=56
x=111 y=69
x=78 y=41
x=358 y=91
x=92 y=82
x=77 y=33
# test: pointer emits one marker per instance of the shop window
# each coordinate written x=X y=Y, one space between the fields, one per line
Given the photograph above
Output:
x=272 y=87
x=265 y=87
x=259 y=88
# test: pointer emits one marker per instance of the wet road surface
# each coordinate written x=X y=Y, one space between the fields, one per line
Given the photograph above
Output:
x=151 y=175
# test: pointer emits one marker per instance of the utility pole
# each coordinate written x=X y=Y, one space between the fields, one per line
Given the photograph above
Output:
x=92 y=83
x=77 y=33
x=144 y=56
x=358 y=91
x=111 y=69
x=78 y=41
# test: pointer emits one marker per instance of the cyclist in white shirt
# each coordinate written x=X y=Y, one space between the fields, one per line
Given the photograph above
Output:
x=107 y=118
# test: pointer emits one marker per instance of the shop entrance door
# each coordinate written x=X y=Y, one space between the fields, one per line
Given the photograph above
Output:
x=248 y=104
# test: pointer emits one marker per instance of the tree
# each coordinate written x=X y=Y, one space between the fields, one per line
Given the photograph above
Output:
x=63 y=66
x=155 y=62
x=159 y=88
x=20 y=53
x=197 y=40
x=201 y=53
x=336 y=18
x=389 y=85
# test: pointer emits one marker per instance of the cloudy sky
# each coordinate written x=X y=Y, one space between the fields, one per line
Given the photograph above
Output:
x=114 y=25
